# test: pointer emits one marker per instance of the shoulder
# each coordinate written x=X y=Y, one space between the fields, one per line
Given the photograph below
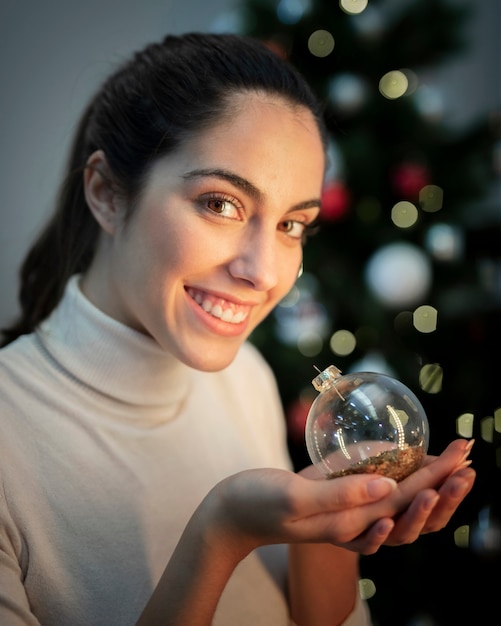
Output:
x=16 y=356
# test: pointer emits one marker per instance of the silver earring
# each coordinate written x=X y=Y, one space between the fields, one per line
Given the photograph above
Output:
x=300 y=272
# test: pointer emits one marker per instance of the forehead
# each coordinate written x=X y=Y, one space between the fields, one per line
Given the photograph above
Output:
x=260 y=130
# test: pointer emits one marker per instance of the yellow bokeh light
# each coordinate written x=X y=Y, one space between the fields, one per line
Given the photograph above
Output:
x=321 y=43
x=487 y=429
x=498 y=457
x=462 y=536
x=431 y=198
x=430 y=378
x=424 y=319
x=393 y=84
x=464 y=425
x=404 y=214
x=343 y=342
x=497 y=420
x=353 y=7
x=366 y=588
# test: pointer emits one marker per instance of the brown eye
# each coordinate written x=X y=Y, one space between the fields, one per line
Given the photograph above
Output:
x=293 y=228
x=221 y=205
x=218 y=206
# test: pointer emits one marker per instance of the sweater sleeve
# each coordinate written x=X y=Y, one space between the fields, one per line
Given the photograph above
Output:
x=14 y=605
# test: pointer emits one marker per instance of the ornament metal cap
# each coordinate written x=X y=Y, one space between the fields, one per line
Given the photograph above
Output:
x=326 y=378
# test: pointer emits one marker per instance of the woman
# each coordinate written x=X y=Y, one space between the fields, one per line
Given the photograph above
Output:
x=144 y=470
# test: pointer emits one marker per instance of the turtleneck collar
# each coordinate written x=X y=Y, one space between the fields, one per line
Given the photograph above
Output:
x=112 y=358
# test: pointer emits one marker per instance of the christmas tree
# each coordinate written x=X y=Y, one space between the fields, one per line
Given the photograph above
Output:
x=403 y=274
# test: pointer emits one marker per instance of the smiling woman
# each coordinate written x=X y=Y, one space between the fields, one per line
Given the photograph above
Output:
x=143 y=460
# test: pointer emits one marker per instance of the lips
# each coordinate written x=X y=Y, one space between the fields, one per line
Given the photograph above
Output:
x=218 y=307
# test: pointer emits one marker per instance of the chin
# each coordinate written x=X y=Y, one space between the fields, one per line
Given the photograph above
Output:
x=210 y=360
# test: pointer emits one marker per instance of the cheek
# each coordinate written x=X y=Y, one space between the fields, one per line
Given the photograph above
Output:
x=287 y=279
x=163 y=245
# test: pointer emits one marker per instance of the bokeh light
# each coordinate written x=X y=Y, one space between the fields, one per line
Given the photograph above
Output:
x=425 y=318
x=309 y=343
x=429 y=103
x=353 y=7
x=321 y=43
x=292 y=11
x=431 y=198
x=497 y=420
x=464 y=425
x=431 y=377
x=348 y=92
x=393 y=84
x=404 y=214
x=366 y=588
x=399 y=274
x=444 y=242
x=462 y=536
x=343 y=342
x=487 y=429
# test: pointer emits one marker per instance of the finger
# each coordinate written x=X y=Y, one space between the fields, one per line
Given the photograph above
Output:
x=343 y=493
x=430 y=476
x=451 y=494
x=410 y=524
x=434 y=473
x=462 y=446
x=373 y=538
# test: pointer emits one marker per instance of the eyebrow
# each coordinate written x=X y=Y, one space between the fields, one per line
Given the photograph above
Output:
x=245 y=185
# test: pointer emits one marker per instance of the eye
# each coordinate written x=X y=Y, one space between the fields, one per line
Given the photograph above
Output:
x=293 y=228
x=221 y=204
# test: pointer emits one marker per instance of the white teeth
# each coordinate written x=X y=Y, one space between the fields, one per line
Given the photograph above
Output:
x=207 y=305
x=217 y=311
x=226 y=315
x=238 y=317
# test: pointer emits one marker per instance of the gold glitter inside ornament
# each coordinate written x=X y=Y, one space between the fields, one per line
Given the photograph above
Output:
x=365 y=422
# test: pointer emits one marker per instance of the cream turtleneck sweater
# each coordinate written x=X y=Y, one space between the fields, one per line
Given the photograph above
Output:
x=107 y=446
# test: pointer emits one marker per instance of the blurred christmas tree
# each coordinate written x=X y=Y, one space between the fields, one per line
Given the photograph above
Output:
x=404 y=275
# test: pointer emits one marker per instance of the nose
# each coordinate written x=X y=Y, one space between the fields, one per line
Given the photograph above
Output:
x=255 y=261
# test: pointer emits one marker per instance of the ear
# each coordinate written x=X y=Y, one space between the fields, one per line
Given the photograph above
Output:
x=99 y=193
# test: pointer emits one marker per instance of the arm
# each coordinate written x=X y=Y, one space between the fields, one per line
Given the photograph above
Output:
x=261 y=507
x=247 y=510
x=323 y=583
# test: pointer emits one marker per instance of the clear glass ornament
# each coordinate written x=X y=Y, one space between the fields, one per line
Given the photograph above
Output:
x=365 y=422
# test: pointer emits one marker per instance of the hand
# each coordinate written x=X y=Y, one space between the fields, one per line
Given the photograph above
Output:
x=359 y=512
x=270 y=506
x=425 y=501
x=433 y=508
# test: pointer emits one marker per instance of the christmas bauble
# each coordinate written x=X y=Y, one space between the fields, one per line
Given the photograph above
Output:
x=365 y=422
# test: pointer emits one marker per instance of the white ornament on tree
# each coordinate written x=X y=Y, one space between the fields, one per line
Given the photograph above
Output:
x=399 y=274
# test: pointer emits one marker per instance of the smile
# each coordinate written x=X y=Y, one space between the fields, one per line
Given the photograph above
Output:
x=217 y=307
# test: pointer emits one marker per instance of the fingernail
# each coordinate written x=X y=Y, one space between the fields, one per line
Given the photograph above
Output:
x=464 y=464
x=467 y=449
x=379 y=486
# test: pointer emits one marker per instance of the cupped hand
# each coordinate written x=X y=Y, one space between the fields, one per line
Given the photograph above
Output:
x=359 y=512
x=423 y=502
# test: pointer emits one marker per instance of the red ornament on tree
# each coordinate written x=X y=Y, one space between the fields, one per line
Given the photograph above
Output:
x=335 y=201
x=408 y=179
x=296 y=419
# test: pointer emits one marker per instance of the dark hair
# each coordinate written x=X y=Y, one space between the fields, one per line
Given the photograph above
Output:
x=163 y=94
